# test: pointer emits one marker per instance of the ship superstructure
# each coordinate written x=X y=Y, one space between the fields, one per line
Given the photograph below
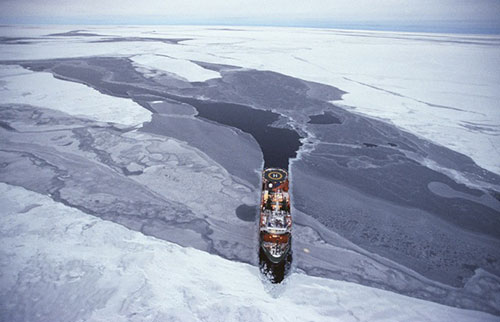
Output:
x=275 y=218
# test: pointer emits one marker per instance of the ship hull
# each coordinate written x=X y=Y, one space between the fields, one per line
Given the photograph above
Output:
x=275 y=219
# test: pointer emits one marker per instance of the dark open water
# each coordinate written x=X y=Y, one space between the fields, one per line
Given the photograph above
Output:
x=278 y=145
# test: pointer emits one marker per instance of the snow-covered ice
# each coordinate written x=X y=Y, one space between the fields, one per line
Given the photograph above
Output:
x=21 y=86
x=442 y=87
x=180 y=67
x=59 y=264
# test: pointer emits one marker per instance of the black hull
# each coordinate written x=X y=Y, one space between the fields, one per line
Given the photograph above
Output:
x=275 y=272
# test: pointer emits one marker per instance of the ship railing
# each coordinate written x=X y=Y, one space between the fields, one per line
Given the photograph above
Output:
x=277 y=231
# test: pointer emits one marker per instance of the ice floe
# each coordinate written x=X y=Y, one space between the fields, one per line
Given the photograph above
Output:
x=21 y=86
x=180 y=67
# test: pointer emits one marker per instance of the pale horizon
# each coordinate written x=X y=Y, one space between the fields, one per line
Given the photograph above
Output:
x=425 y=16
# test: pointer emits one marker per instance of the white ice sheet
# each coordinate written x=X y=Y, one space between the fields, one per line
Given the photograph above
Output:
x=180 y=67
x=21 y=86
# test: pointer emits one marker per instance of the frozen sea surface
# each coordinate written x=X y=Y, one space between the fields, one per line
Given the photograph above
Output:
x=21 y=86
x=402 y=213
x=60 y=264
x=442 y=87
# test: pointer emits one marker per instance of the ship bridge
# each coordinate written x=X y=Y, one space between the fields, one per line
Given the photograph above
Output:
x=275 y=207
